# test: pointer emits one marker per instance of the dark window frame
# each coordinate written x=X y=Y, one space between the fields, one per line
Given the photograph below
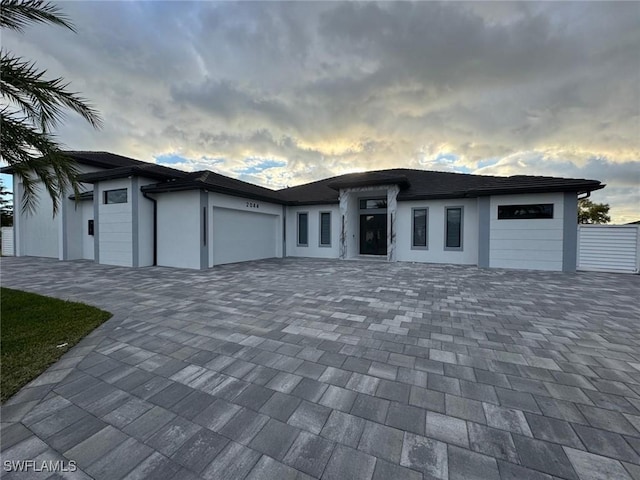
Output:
x=426 y=228
x=320 y=229
x=365 y=200
x=91 y=227
x=530 y=211
x=299 y=214
x=446 y=228
x=106 y=193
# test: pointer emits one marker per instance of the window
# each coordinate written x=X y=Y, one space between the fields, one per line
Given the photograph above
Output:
x=115 y=196
x=325 y=229
x=303 y=229
x=90 y=227
x=419 y=228
x=371 y=203
x=514 y=212
x=453 y=230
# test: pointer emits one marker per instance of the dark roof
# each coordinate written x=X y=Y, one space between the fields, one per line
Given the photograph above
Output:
x=214 y=182
x=82 y=196
x=95 y=159
x=103 y=159
x=144 y=169
x=368 y=179
x=414 y=184
x=425 y=184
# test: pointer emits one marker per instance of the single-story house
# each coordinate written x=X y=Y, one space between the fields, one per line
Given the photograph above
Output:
x=137 y=214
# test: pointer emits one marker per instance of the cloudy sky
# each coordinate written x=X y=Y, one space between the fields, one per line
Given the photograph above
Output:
x=281 y=93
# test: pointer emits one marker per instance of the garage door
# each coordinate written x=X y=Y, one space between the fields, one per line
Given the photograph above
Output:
x=242 y=236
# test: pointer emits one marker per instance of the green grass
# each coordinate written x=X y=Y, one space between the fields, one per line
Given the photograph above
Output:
x=31 y=328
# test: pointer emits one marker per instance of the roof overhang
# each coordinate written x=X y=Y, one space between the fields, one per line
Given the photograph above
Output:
x=149 y=170
x=82 y=196
x=178 y=186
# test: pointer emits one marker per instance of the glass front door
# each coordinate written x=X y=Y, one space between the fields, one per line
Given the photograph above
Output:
x=373 y=234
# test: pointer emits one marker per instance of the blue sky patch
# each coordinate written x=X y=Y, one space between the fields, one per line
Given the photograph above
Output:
x=257 y=165
x=170 y=159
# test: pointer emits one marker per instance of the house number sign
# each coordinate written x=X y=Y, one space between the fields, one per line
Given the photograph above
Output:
x=253 y=205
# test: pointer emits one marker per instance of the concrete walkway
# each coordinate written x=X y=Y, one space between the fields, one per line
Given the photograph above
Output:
x=304 y=368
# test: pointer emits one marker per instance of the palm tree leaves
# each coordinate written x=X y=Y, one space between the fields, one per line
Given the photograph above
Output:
x=41 y=101
x=31 y=107
x=37 y=160
x=17 y=14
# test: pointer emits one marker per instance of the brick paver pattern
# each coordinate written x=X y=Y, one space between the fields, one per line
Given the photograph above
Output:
x=302 y=368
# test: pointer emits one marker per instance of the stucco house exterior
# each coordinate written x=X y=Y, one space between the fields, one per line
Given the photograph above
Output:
x=137 y=214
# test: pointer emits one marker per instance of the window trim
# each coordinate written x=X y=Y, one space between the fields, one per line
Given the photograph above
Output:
x=298 y=229
x=320 y=244
x=426 y=228
x=446 y=211
x=106 y=192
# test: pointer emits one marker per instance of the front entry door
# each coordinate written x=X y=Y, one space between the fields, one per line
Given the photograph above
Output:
x=373 y=234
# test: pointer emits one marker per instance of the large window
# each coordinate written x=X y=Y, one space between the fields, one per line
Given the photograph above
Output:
x=325 y=229
x=453 y=228
x=514 y=212
x=303 y=229
x=419 y=228
x=115 y=196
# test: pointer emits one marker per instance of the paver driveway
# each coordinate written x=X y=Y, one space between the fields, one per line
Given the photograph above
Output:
x=287 y=368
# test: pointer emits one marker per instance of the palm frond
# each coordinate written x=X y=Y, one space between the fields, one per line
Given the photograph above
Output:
x=17 y=14
x=42 y=101
x=36 y=158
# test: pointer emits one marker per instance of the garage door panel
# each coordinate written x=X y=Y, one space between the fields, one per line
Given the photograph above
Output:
x=242 y=236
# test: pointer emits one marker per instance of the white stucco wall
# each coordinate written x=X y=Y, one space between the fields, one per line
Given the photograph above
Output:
x=435 y=251
x=145 y=225
x=41 y=234
x=313 y=249
x=38 y=232
x=179 y=229
x=75 y=229
x=527 y=244
x=115 y=228
x=241 y=229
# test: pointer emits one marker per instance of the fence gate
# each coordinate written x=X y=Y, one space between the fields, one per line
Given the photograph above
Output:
x=609 y=248
x=7 y=241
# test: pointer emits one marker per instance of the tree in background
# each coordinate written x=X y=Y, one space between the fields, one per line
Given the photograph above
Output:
x=6 y=207
x=589 y=212
x=32 y=107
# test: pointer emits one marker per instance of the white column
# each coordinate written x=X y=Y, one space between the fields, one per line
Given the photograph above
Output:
x=344 y=209
x=392 y=213
x=17 y=212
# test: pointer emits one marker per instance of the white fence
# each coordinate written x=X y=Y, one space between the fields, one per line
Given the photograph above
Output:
x=7 y=241
x=609 y=248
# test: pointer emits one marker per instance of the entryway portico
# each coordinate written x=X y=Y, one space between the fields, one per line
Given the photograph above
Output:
x=368 y=216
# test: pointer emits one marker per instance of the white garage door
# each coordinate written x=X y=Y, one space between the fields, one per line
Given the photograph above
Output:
x=242 y=236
